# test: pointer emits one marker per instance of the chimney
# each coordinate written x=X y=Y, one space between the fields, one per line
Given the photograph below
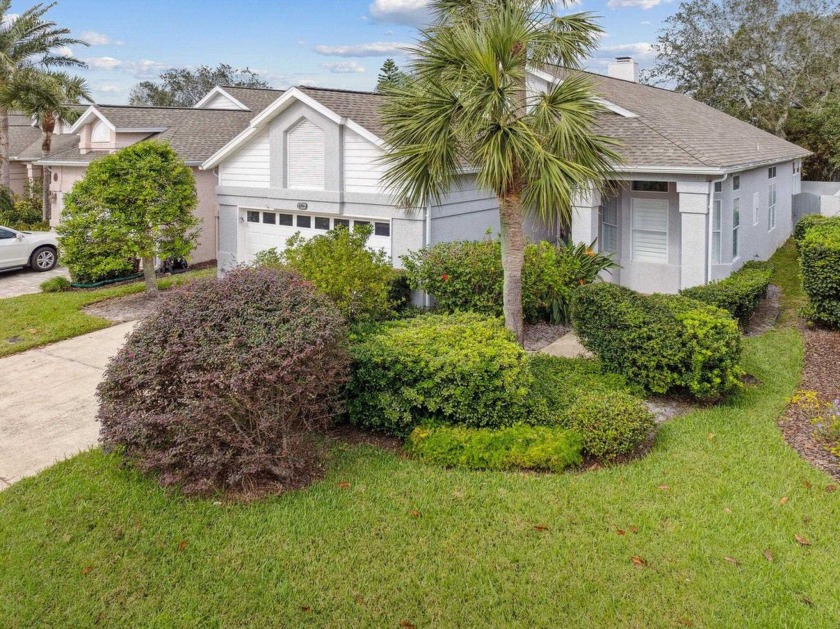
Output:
x=624 y=68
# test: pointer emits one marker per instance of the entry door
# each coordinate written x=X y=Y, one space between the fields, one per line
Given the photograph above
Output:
x=12 y=251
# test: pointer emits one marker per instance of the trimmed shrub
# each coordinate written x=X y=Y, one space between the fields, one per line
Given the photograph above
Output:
x=560 y=381
x=738 y=294
x=468 y=276
x=805 y=223
x=452 y=369
x=55 y=285
x=226 y=384
x=660 y=342
x=360 y=282
x=820 y=256
x=613 y=424
x=517 y=447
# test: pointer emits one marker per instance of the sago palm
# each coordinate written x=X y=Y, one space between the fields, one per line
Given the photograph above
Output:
x=467 y=109
x=50 y=98
x=28 y=41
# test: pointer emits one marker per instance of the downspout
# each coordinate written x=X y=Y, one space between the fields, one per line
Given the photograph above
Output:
x=710 y=223
x=427 y=239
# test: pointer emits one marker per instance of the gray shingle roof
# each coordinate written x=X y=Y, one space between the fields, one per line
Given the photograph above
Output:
x=22 y=134
x=360 y=107
x=255 y=99
x=673 y=129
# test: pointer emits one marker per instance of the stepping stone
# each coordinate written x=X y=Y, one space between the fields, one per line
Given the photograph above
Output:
x=567 y=346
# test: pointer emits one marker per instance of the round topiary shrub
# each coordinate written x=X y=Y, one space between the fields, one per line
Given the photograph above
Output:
x=613 y=424
x=225 y=386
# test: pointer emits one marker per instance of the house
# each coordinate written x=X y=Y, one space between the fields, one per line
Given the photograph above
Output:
x=195 y=133
x=697 y=194
x=24 y=149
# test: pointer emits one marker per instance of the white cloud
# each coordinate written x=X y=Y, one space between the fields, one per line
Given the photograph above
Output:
x=63 y=51
x=344 y=67
x=640 y=4
x=142 y=69
x=406 y=12
x=374 y=49
x=639 y=51
x=645 y=22
x=109 y=89
x=98 y=39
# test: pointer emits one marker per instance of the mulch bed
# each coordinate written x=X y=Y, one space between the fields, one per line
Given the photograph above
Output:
x=821 y=374
x=122 y=309
x=539 y=335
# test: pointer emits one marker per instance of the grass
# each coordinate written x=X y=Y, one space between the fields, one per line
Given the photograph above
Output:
x=42 y=318
x=384 y=540
x=787 y=277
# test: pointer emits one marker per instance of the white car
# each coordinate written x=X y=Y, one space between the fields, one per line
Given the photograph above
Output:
x=38 y=250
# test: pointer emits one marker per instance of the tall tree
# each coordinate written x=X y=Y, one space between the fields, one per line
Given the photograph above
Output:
x=468 y=104
x=758 y=60
x=28 y=40
x=184 y=87
x=136 y=203
x=50 y=97
x=390 y=76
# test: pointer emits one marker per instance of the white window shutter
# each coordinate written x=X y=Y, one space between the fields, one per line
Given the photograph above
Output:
x=305 y=156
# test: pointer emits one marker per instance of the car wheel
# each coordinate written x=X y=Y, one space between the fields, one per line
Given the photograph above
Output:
x=43 y=259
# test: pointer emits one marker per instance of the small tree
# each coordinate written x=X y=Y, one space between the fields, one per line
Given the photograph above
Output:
x=390 y=76
x=184 y=87
x=137 y=203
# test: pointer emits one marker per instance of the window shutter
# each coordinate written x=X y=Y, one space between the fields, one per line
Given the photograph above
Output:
x=305 y=156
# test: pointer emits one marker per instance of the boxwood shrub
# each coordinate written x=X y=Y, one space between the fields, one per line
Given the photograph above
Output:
x=516 y=447
x=454 y=369
x=820 y=256
x=663 y=343
x=467 y=276
x=612 y=423
x=805 y=223
x=226 y=385
x=738 y=294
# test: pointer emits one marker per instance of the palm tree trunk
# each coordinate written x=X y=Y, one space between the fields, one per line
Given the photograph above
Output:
x=46 y=143
x=5 y=173
x=513 y=259
x=149 y=276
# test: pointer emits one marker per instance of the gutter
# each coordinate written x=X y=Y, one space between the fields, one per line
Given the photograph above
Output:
x=709 y=223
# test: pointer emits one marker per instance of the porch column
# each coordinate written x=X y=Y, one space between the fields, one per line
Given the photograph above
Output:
x=694 y=223
x=585 y=210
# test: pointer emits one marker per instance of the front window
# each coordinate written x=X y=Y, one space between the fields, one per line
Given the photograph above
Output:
x=609 y=225
x=771 y=172
x=650 y=186
x=650 y=230
x=381 y=229
x=736 y=182
x=771 y=207
x=736 y=224
x=716 y=232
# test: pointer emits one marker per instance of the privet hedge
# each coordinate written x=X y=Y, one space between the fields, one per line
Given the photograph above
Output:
x=660 y=342
x=454 y=369
x=738 y=294
x=820 y=257
x=805 y=223
x=223 y=386
x=467 y=276
x=517 y=447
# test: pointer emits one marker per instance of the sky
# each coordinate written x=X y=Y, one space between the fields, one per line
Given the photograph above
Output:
x=326 y=43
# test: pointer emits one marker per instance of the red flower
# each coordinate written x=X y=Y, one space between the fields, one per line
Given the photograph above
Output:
x=445 y=277
x=580 y=281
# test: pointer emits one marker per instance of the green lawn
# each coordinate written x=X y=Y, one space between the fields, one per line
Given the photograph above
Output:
x=87 y=542
x=42 y=318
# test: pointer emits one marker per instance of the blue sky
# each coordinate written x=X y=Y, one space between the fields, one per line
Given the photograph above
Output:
x=328 y=43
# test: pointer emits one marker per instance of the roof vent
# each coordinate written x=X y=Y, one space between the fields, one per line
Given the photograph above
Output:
x=624 y=68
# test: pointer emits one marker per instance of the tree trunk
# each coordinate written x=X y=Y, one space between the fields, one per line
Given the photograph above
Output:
x=513 y=259
x=46 y=144
x=5 y=174
x=149 y=277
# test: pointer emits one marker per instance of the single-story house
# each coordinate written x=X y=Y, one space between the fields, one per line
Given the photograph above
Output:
x=697 y=194
x=195 y=133
x=24 y=149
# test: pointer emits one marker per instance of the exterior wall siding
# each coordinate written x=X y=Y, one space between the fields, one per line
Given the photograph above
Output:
x=250 y=166
x=362 y=169
x=305 y=151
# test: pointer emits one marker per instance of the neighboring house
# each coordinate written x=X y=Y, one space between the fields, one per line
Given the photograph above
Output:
x=699 y=192
x=194 y=133
x=24 y=148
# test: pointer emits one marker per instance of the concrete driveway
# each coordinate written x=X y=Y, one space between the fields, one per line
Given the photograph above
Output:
x=25 y=281
x=48 y=406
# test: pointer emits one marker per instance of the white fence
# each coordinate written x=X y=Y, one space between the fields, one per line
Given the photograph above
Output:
x=817 y=197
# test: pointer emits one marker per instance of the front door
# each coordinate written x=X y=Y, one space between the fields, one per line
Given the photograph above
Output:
x=12 y=251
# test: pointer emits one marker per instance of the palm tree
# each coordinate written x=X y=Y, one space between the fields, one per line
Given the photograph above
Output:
x=50 y=98
x=468 y=108
x=28 y=41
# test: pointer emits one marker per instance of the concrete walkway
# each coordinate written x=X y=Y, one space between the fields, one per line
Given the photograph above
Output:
x=567 y=346
x=48 y=401
x=26 y=281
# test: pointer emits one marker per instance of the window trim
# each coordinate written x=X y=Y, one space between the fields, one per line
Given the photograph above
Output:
x=604 y=224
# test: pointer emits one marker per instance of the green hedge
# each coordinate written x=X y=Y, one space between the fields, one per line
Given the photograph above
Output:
x=455 y=369
x=517 y=447
x=559 y=382
x=820 y=257
x=613 y=423
x=467 y=276
x=805 y=223
x=738 y=294
x=663 y=343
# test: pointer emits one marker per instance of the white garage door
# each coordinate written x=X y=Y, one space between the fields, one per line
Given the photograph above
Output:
x=265 y=229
